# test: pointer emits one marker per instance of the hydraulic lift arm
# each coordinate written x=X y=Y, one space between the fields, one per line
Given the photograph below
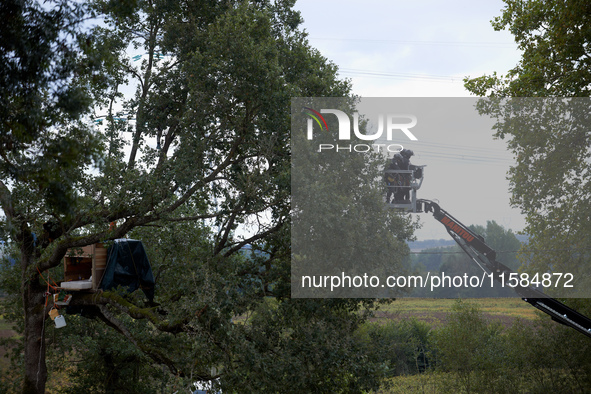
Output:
x=485 y=257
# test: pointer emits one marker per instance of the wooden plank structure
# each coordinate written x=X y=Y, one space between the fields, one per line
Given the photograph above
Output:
x=83 y=263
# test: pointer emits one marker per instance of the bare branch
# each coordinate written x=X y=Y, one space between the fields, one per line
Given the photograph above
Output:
x=140 y=123
x=190 y=218
x=256 y=237
x=212 y=176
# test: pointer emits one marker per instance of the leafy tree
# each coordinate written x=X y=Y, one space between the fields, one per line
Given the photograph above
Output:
x=554 y=38
x=44 y=149
x=547 y=357
x=429 y=259
x=471 y=348
x=504 y=242
x=340 y=224
x=539 y=356
x=403 y=347
x=454 y=261
x=550 y=138
x=196 y=163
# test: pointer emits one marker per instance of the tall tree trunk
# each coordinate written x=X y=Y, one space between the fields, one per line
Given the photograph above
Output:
x=34 y=340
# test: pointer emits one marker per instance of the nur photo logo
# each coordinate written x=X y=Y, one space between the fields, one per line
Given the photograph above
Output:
x=388 y=126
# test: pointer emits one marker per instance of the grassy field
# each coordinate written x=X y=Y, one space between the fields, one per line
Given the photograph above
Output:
x=428 y=383
x=433 y=311
x=5 y=332
x=4 y=325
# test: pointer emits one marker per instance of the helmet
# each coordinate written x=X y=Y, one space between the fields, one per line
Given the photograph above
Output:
x=407 y=153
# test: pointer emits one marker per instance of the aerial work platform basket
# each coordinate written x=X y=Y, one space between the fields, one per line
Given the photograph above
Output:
x=405 y=182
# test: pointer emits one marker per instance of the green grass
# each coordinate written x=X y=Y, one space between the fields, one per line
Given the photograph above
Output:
x=433 y=310
x=427 y=383
x=4 y=325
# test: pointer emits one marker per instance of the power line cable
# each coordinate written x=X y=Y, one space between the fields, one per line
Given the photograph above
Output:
x=383 y=74
x=422 y=42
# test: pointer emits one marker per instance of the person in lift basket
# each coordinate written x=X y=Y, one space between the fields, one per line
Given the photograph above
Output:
x=399 y=184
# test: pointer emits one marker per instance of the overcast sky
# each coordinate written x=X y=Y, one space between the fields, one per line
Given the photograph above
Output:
x=425 y=49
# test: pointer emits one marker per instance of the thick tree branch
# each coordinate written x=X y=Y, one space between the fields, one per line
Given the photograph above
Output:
x=140 y=124
x=229 y=225
x=227 y=161
x=6 y=201
x=254 y=238
x=103 y=299
x=110 y=319
x=193 y=218
x=120 y=303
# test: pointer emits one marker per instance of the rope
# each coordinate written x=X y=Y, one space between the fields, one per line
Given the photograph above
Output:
x=46 y=281
x=42 y=335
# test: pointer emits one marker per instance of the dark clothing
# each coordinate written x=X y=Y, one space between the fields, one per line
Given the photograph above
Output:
x=398 y=184
x=391 y=180
x=405 y=163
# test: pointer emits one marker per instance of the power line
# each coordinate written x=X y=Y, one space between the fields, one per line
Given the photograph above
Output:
x=456 y=146
x=489 y=44
x=382 y=74
x=466 y=154
x=439 y=150
x=465 y=158
x=461 y=154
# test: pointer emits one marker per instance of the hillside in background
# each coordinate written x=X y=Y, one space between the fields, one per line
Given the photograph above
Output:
x=430 y=243
x=438 y=243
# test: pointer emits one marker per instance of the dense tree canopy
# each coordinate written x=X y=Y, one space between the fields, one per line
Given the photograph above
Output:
x=167 y=121
x=554 y=38
x=452 y=260
x=550 y=137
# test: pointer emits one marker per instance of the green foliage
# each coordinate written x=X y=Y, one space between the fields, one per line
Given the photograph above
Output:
x=550 y=182
x=432 y=383
x=429 y=259
x=471 y=348
x=554 y=38
x=530 y=356
x=453 y=261
x=44 y=149
x=402 y=347
x=199 y=170
x=339 y=221
x=548 y=357
x=502 y=240
x=310 y=348
x=11 y=306
x=550 y=139
x=89 y=358
x=471 y=352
